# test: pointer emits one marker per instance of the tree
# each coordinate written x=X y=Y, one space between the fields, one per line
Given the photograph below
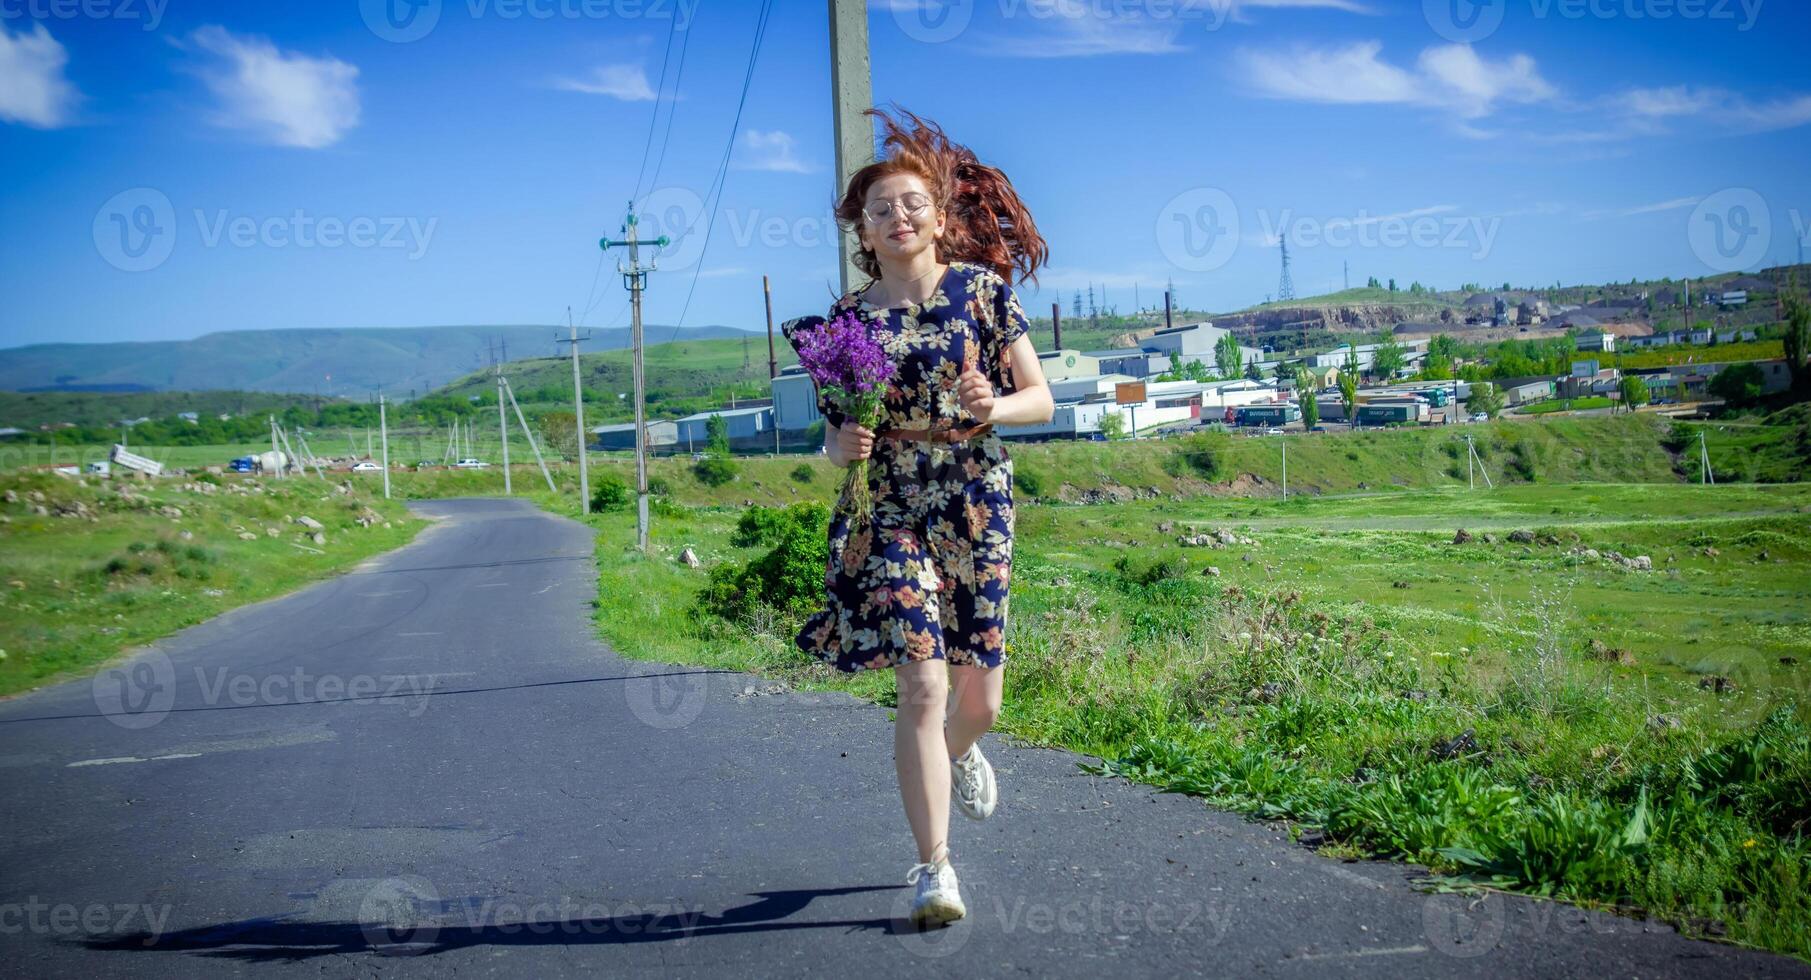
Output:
x=1388 y=359
x=1444 y=346
x=1197 y=371
x=1226 y=355
x=1392 y=285
x=1634 y=392
x=1113 y=425
x=1348 y=384
x=1372 y=283
x=716 y=432
x=1797 y=335
x=559 y=432
x=1486 y=398
x=1251 y=370
x=1305 y=394
x=1739 y=385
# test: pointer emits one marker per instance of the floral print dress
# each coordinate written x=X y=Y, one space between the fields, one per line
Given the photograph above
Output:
x=928 y=576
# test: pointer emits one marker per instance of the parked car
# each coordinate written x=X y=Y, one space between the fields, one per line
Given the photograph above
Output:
x=1273 y=431
x=243 y=464
x=366 y=466
x=472 y=464
x=1479 y=417
x=698 y=457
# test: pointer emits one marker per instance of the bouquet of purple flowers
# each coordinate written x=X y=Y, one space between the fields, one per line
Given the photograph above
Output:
x=852 y=370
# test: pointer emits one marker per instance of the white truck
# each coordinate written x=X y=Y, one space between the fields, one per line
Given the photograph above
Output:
x=133 y=461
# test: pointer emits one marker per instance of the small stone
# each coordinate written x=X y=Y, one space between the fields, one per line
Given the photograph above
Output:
x=1717 y=685
x=1521 y=537
x=247 y=536
x=310 y=523
x=1663 y=723
x=318 y=538
x=1211 y=571
x=186 y=534
x=1461 y=536
x=690 y=558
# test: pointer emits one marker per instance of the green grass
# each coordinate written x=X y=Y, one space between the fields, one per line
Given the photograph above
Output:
x=76 y=593
x=1748 y=350
x=1305 y=684
x=1567 y=405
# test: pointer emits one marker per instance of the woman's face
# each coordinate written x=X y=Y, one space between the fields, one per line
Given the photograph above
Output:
x=898 y=236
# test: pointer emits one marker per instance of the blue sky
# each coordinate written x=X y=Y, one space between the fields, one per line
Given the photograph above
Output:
x=172 y=168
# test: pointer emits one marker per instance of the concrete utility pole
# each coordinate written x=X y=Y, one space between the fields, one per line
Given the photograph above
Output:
x=1710 y=476
x=1285 y=441
x=578 y=413
x=503 y=430
x=383 y=428
x=1166 y=310
x=851 y=92
x=773 y=365
x=635 y=279
x=1056 y=325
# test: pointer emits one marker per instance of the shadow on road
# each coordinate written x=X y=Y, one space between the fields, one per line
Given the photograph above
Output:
x=273 y=939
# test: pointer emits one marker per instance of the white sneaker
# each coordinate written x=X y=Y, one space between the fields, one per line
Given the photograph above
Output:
x=972 y=784
x=939 y=899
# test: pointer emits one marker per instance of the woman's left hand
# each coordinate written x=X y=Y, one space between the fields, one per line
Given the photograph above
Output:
x=976 y=394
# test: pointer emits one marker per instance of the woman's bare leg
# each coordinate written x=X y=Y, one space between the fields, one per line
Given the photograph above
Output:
x=976 y=704
x=920 y=755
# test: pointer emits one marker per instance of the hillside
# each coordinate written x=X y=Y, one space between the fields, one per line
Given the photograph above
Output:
x=357 y=363
x=28 y=410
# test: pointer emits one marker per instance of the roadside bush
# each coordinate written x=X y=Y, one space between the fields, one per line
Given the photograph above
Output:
x=803 y=473
x=787 y=580
x=1148 y=569
x=760 y=526
x=659 y=486
x=1202 y=455
x=1027 y=481
x=714 y=471
x=610 y=494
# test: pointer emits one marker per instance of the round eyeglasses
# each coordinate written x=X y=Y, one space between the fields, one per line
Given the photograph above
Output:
x=913 y=206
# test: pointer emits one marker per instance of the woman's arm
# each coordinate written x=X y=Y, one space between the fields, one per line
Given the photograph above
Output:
x=1029 y=405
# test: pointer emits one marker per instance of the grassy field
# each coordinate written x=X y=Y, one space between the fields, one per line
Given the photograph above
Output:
x=79 y=591
x=1345 y=643
x=1567 y=405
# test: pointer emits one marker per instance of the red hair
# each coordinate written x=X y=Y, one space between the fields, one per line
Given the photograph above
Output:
x=986 y=222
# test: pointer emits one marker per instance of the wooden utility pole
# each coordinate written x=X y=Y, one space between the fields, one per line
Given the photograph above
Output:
x=1166 y=309
x=635 y=279
x=578 y=413
x=851 y=92
x=773 y=366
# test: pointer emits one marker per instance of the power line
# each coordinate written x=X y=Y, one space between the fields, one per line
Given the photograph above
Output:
x=654 y=116
x=716 y=192
x=667 y=135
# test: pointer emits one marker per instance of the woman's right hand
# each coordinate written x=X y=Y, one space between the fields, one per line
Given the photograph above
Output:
x=854 y=443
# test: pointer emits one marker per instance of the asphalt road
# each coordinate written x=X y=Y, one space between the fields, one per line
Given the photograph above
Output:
x=430 y=766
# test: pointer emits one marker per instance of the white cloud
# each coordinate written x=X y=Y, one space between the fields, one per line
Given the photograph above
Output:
x=33 y=90
x=626 y=82
x=1450 y=77
x=1657 y=207
x=769 y=151
x=1718 y=107
x=287 y=98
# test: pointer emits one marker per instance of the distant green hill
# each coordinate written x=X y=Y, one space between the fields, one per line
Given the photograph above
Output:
x=28 y=410
x=354 y=363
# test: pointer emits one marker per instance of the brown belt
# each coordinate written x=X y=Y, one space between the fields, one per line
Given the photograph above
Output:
x=937 y=435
